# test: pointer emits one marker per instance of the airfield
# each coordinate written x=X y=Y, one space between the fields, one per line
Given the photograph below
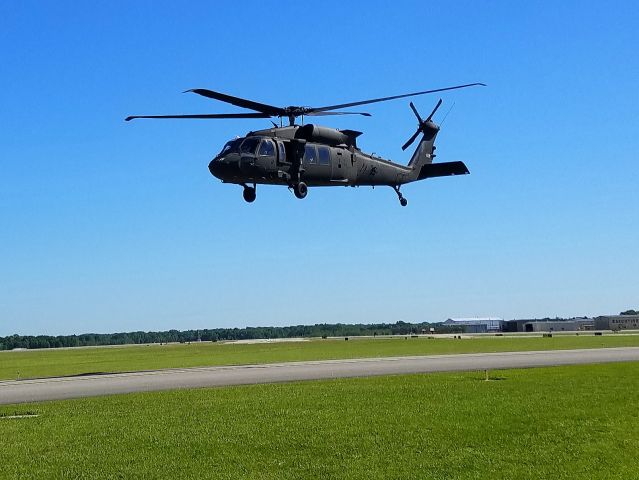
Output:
x=406 y=407
x=60 y=388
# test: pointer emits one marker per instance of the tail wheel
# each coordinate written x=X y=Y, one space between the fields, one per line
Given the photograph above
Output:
x=300 y=189
x=402 y=201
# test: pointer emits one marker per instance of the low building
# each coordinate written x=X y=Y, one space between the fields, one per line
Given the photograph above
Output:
x=549 y=325
x=617 y=322
x=477 y=325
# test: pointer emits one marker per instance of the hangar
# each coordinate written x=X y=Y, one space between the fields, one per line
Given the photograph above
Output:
x=617 y=322
x=549 y=325
x=477 y=325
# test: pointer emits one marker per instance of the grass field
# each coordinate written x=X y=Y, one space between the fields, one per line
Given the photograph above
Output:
x=556 y=423
x=46 y=363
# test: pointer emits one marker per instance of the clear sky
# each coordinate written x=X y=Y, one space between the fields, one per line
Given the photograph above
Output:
x=111 y=226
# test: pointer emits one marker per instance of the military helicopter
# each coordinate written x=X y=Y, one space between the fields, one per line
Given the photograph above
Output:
x=302 y=156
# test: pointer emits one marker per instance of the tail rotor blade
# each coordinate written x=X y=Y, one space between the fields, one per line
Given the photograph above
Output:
x=419 y=119
x=434 y=110
x=411 y=139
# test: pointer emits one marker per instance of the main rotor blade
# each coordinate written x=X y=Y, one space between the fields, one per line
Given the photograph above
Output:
x=384 y=99
x=411 y=139
x=321 y=114
x=205 y=116
x=239 y=102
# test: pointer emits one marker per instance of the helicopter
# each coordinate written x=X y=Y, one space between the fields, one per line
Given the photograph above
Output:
x=308 y=155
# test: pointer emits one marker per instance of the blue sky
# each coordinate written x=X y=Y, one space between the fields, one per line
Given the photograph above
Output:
x=111 y=226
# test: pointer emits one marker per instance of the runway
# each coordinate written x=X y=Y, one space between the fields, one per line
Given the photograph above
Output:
x=59 y=388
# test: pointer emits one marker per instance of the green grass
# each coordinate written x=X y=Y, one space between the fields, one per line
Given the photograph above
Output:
x=556 y=423
x=46 y=363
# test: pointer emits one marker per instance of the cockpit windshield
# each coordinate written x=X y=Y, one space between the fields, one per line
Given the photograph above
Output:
x=249 y=145
x=231 y=146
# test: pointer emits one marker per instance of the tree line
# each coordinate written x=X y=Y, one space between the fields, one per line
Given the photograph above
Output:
x=218 y=334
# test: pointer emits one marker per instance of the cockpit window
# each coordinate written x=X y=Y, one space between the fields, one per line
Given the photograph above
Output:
x=267 y=148
x=249 y=145
x=231 y=146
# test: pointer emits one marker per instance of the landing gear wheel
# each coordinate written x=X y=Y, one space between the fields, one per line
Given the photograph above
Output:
x=300 y=189
x=403 y=202
x=249 y=194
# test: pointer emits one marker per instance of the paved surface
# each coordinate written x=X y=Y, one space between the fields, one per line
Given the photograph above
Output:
x=58 y=388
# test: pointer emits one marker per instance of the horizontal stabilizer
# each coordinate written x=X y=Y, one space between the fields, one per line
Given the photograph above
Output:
x=443 y=169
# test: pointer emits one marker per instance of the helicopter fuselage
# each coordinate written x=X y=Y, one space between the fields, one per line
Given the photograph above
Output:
x=317 y=156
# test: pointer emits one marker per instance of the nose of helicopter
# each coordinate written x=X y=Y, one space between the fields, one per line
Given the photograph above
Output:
x=222 y=169
x=214 y=168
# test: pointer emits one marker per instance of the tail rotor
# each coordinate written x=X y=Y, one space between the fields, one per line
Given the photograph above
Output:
x=423 y=124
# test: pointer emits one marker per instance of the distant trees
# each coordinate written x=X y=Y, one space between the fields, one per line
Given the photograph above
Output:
x=213 y=335
x=630 y=312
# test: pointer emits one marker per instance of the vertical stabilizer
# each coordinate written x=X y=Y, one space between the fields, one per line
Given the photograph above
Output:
x=425 y=151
